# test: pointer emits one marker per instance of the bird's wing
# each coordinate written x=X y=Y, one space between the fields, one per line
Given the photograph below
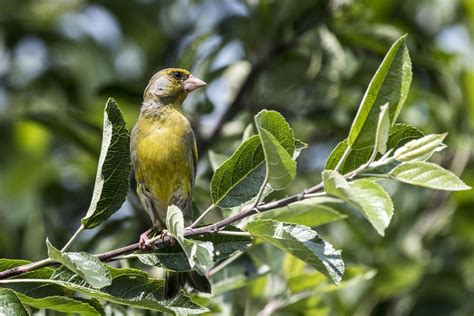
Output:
x=194 y=156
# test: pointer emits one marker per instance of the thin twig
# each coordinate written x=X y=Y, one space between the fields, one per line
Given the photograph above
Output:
x=210 y=208
x=232 y=233
x=343 y=158
x=225 y=263
x=73 y=238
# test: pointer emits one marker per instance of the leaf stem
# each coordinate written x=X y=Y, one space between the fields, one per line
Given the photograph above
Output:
x=73 y=238
x=376 y=175
x=225 y=263
x=260 y=192
x=343 y=158
x=313 y=195
x=232 y=233
x=28 y=281
x=210 y=208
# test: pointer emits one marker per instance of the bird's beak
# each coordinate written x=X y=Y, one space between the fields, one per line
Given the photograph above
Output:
x=192 y=83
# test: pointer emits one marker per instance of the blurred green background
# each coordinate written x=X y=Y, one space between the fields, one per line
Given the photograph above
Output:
x=310 y=60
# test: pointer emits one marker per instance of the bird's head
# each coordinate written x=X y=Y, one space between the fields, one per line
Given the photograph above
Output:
x=171 y=85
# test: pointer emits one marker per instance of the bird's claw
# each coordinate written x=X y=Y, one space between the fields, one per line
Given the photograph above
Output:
x=145 y=243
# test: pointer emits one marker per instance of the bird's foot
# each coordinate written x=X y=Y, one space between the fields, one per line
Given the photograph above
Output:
x=144 y=242
x=163 y=235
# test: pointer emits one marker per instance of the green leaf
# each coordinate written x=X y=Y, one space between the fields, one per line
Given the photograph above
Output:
x=10 y=304
x=390 y=84
x=111 y=184
x=428 y=175
x=200 y=254
x=275 y=124
x=420 y=149
x=299 y=146
x=240 y=177
x=309 y=212
x=336 y=155
x=87 y=266
x=375 y=203
x=336 y=185
x=130 y=287
x=280 y=167
x=63 y=304
x=175 y=223
x=365 y=195
x=400 y=134
x=216 y=159
x=383 y=129
x=302 y=242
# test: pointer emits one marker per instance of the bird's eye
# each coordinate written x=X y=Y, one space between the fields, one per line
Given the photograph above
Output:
x=178 y=75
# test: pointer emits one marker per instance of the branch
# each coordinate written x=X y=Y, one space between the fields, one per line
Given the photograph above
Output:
x=189 y=232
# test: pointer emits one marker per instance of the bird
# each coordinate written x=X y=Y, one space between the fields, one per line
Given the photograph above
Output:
x=164 y=157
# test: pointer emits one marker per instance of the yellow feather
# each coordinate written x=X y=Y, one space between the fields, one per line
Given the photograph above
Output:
x=164 y=148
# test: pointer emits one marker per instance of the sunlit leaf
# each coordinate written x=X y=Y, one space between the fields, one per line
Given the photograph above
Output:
x=85 y=265
x=10 y=304
x=200 y=254
x=367 y=196
x=129 y=287
x=302 y=242
x=428 y=175
x=63 y=304
x=375 y=202
x=400 y=134
x=280 y=167
x=240 y=177
x=383 y=128
x=111 y=184
x=420 y=149
x=390 y=84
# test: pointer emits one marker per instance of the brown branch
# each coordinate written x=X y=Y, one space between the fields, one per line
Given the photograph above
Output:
x=189 y=232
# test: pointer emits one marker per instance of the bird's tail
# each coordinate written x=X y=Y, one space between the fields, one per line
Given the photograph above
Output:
x=175 y=281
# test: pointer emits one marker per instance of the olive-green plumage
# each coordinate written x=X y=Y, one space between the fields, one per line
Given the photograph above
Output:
x=164 y=156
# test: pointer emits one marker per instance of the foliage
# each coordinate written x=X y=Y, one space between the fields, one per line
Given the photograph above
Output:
x=311 y=61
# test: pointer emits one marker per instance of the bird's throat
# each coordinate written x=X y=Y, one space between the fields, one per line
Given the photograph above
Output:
x=162 y=104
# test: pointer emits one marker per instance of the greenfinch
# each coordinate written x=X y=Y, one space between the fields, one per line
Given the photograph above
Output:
x=164 y=156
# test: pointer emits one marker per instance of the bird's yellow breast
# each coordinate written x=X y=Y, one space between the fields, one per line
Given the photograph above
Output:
x=163 y=157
